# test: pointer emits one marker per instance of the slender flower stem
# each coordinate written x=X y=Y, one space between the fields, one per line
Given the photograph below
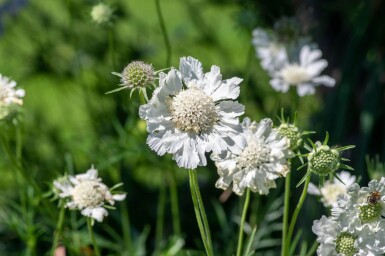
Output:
x=164 y=32
x=174 y=202
x=295 y=215
x=241 y=231
x=160 y=215
x=285 y=213
x=59 y=225
x=200 y=213
x=92 y=236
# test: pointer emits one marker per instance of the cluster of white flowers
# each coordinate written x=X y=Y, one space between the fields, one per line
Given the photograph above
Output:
x=87 y=193
x=9 y=96
x=192 y=113
x=330 y=190
x=356 y=227
x=290 y=67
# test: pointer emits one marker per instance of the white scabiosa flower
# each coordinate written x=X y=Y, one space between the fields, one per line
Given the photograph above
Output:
x=271 y=53
x=192 y=113
x=101 y=13
x=9 y=96
x=87 y=193
x=305 y=75
x=332 y=189
x=261 y=161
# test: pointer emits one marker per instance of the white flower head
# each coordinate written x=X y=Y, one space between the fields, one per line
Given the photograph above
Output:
x=192 y=113
x=305 y=75
x=87 y=193
x=101 y=13
x=261 y=161
x=9 y=96
x=271 y=53
x=330 y=190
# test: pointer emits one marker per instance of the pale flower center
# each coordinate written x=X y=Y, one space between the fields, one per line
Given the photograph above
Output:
x=193 y=111
x=345 y=244
x=331 y=191
x=295 y=74
x=89 y=194
x=254 y=155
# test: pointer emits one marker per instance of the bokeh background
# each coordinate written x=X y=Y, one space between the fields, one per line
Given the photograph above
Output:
x=64 y=61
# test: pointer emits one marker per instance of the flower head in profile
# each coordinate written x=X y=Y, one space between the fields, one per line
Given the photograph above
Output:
x=87 y=193
x=330 y=190
x=324 y=160
x=192 y=113
x=304 y=75
x=271 y=52
x=137 y=75
x=292 y=132
x=9 y=96
x=101 y=13
x=261 y=161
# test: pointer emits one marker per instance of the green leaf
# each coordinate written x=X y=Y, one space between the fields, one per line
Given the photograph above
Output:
x=303 y=178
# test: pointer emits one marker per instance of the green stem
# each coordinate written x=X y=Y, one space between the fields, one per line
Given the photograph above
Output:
x=126 y=227
x=295 y=215
x=92 y=236
x=241 y=231
x=174 y=202
x=200 y=213
x=160 y=215
x=57 y=233
x=285 y=213
x=164 y=32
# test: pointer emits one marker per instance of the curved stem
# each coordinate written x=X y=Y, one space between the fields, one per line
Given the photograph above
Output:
x=58 y=229
x=160 y=215
x=295 y=215
x=285 y=213
x=240 y=238
x=164 y=32
x=200 y=213
x=92 y=236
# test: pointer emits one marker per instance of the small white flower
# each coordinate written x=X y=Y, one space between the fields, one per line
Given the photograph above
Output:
x=192 y=113
x=9 y=96
x=271 y=53
x=262 y=160
x=305 y=75
x=87 y=193
x=101 y=13
x=331 y=190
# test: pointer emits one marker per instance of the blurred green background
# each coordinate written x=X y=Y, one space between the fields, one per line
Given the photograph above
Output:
x=64 y=61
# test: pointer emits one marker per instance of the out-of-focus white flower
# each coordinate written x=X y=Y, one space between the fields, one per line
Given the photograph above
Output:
x=9 y=96
x=192 y=113
x=305 y=75
x=332 y=189
x=261 y=161
x=271 y=53
x=87 y=193
x=101 y=13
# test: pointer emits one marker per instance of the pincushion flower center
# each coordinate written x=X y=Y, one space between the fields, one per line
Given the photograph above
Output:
x=254 y=155
x=89 y=194
x=193 y=111
x=295 y=74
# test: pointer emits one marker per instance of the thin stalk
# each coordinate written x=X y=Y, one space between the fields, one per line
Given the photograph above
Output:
x=92 y=236
x=160 y=215
x=58 y=230
x=295 y=215
x=200 y=213
x=285 y=213
x=174 y=202
x=164 y=33
x=241 y=231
